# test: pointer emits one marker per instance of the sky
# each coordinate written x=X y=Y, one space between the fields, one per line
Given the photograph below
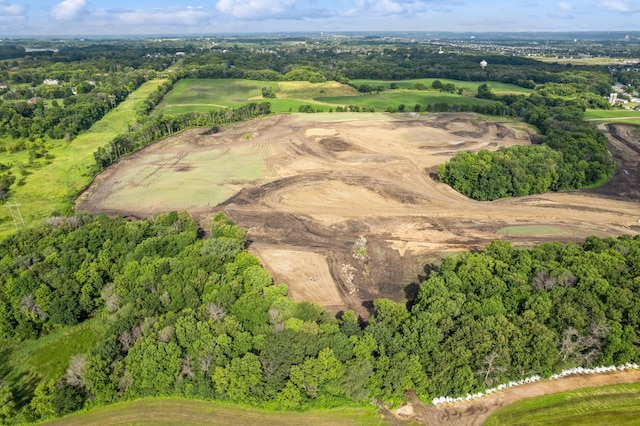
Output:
x=194 y=17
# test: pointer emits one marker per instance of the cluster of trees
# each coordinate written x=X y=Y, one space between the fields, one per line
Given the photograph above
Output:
x=201 y=318
x=30 y=120
x=575 y=154
x=157 y=127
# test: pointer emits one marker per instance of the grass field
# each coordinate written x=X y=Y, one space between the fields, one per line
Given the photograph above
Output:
x=202 y=95
x=617 y=115
x=176 y=411
x=607 y=405
x=47 y=357
x=470 y=88
x=407 y=97
x=51 y=186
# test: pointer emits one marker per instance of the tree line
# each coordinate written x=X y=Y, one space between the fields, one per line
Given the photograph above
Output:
x=154 y=128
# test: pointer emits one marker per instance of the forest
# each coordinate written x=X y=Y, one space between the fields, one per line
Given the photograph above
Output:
x=200 y=318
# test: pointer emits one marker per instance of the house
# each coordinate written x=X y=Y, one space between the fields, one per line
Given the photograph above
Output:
x=52 y=82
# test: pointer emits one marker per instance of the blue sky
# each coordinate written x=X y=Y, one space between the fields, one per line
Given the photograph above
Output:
x=121 y=17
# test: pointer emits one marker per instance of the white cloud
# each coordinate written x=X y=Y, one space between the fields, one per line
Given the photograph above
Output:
x=617 y=5
x=187 y=16
x=68 y=10
x=12 y=13
x=257 y=9
x=565 y=10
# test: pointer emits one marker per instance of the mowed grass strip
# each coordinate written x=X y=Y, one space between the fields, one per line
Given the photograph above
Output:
x=51 y=186
x=177 y=411
x=607 y=405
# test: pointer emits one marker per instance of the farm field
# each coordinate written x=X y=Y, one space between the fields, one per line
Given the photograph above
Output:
x=617 y=404
x=49 y=188
x=172 y=411
x=320 y=185
x=202 y=95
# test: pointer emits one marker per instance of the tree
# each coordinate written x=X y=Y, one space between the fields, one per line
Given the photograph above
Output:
x=484 y=91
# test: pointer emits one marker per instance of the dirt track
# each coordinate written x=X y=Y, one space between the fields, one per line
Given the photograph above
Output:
x=329 y=184
x=474 y=413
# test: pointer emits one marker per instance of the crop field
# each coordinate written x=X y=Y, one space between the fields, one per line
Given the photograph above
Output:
x=617 y=404
x=311 y=185
x=51 y=186
x=173 y=411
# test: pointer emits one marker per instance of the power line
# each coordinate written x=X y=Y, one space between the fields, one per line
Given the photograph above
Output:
x=14 y=210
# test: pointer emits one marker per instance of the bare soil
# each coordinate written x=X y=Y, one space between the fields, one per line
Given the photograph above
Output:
x=475 y=412
x=328 y=185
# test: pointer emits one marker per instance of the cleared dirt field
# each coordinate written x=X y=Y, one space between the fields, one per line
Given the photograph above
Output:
x=344 y=208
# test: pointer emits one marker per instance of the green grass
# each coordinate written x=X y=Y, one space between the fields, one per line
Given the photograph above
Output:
x=614 y=115
x=407 y=97
x=47 y=357
x=607 y=405
x=174 y=411
x=530 y=230
x=206 y=94
x=202 y=95
x=51 y=186
x=470 y=88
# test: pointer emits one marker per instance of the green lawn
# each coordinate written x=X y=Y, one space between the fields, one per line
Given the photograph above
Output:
x=50 y=187
x=607 y=405
x=176 y=411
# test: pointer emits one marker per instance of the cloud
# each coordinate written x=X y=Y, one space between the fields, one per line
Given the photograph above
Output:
x=565 y=10
x=175 y=16
x=12 y=14
x=617 y=5
x=68 y=10
x=308 y=9
x=257 y=9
